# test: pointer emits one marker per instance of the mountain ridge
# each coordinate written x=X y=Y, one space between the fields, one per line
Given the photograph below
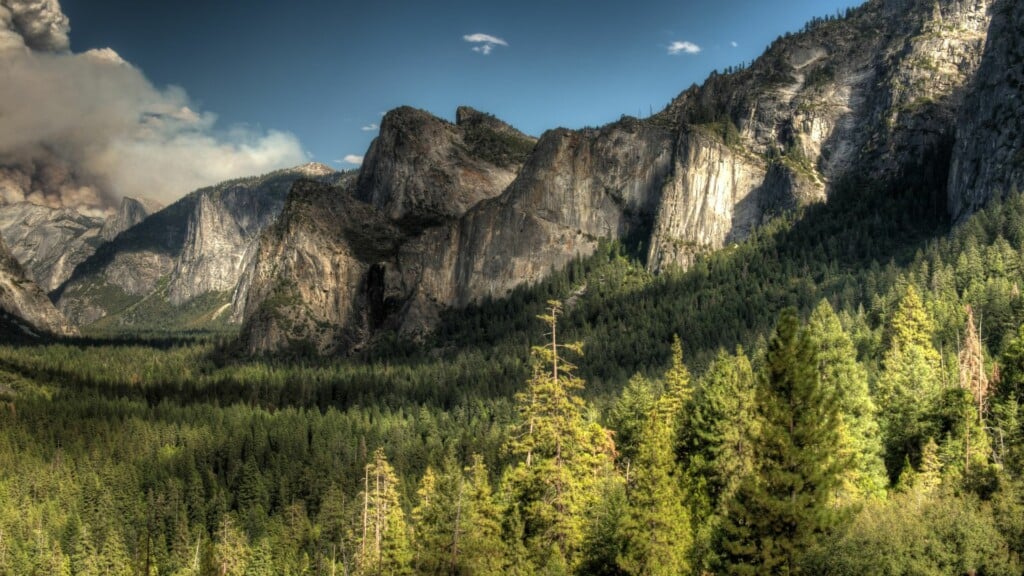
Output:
x=874 y=94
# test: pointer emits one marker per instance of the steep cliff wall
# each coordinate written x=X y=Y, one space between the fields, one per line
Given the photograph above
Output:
x=988 y=160
x=24 y=304
x=49 y=242
x=130 y=212
x=872 y=96
x=312 y=280
x=194 y=247
x=422 y=170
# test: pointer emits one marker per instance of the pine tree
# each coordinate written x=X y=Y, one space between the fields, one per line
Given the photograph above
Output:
x=678 y=390
x=562 y=456
x=656 y=529
x=860 y=447
x=909 y=385
x=230 y=549
x=84 y=560
x=433 y=526
x=629 y=416
x=778 y=511
x=481 y=550
x=114 y=556
x=717 y=445
x=382 y=541
x=261 y=562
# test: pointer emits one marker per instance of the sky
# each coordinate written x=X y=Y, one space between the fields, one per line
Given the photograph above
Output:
x=325 y=71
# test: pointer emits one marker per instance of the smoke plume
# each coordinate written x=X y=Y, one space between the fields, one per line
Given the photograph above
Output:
x=82 y=130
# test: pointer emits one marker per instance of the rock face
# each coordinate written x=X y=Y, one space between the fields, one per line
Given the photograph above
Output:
x=192 y=248
x=988 y=159
x=23 y=304
x=297 y=293
x=129 y=213
x=873 y=95
x=422 y=170
x=49 y=242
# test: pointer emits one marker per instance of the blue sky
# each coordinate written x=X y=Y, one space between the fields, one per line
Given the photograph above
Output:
x=326 y=70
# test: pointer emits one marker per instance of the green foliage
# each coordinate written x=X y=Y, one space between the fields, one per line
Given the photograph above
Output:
x=841 y=376
x=562 y=456
x=914 y=534
x=716 y=440
x=781 y=509
x=500 y=146
x=382 y=543
x=656 y=529
x=910 y=384
x=174 y=454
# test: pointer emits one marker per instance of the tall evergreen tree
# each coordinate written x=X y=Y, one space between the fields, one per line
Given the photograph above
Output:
x=562 y=456
x=910 y=383
x=114 y=556
x=716 y=437
x=382 y=540
x=84 y=560
x=860 y=447
x=435 y=522
x=230 y=550
x=656 y=529
x=678 y=390
x=779 y=510
x=480 y=551
x=629 y=416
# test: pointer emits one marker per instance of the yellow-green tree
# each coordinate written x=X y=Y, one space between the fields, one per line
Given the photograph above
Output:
x=656 y=528
x=561 y=457
x=860 y=446
x=382 y=540
x=910 y=382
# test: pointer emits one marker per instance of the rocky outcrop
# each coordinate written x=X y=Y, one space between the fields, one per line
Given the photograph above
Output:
x=874 y=95
x=422 y=170
x=577 y=188
x=313 y=280
x=23 y=304
x=194 y=247
x=49 y=242
x=225 y=222
x=988 y=159
x=130 y=212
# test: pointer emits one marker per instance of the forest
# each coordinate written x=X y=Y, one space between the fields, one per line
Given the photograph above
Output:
x=839 y=394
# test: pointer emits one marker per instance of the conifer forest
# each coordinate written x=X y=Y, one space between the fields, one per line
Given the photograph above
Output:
x=840 y=394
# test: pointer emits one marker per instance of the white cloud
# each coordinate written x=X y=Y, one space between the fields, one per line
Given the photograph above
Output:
x=734 y=44
x=485 y=43
x=370 y=127
x=353 y=159
x=683 y=47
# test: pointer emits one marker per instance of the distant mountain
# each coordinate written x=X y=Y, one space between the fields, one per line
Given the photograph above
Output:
x=872 y=99
x=179 y=265
x=49 y=242
x=129 y=213
x=25 y=311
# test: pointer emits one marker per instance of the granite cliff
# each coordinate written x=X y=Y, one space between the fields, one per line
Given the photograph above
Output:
x=23 y=305
x=873 y=96
x=988 y=158
x=192 y=249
